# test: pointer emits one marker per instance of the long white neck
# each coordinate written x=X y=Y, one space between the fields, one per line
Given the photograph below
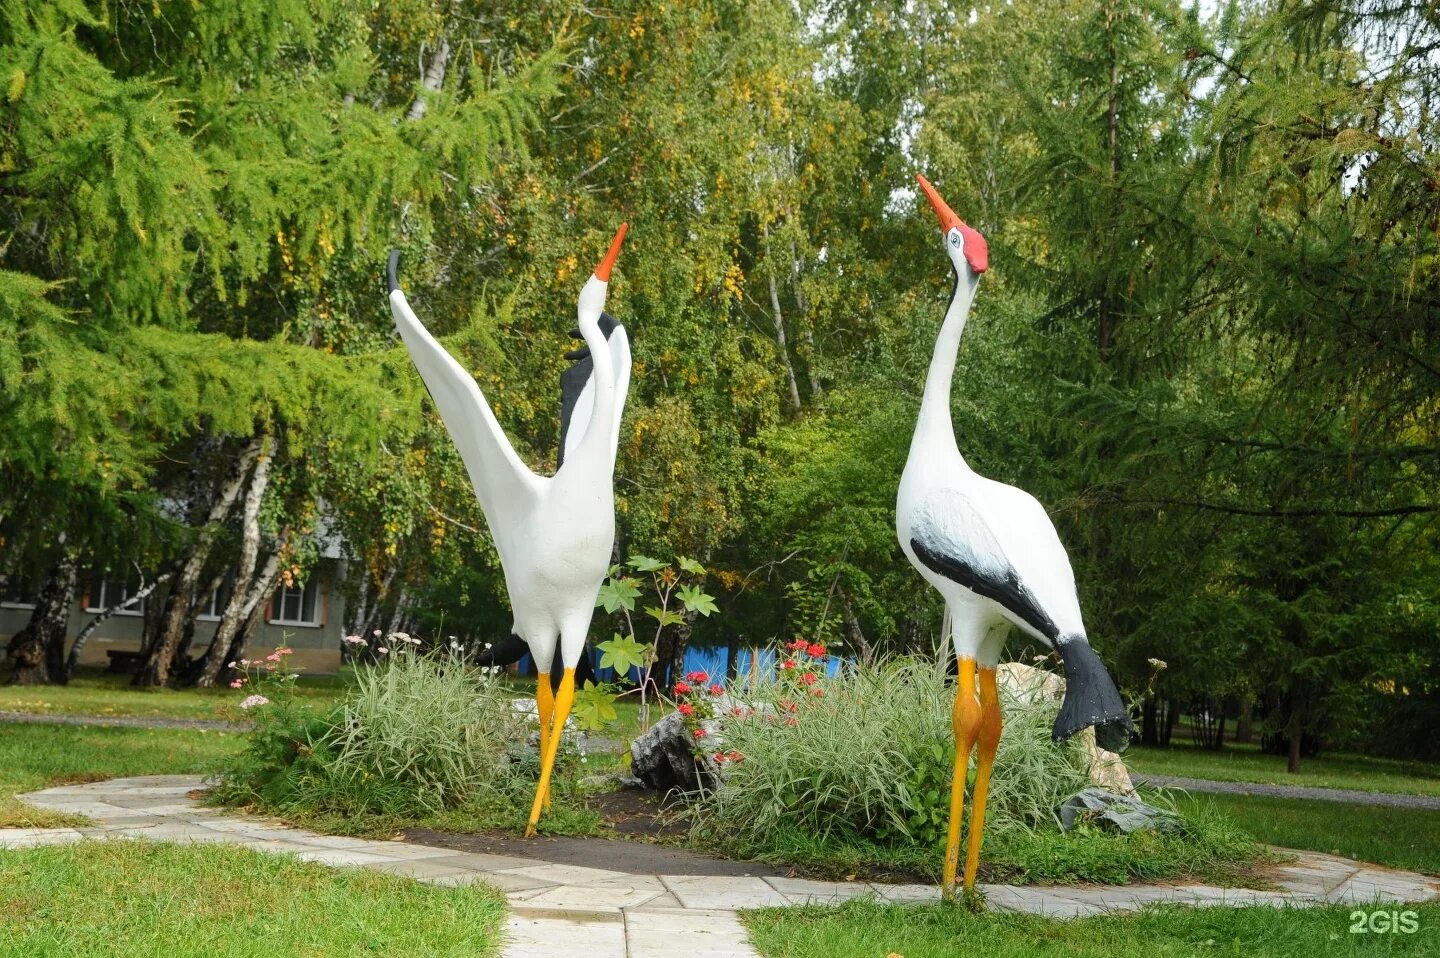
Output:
x=597 y=433
x=934 y=428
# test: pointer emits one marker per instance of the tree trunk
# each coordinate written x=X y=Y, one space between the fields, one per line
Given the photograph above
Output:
x=432 y=79
x=671 y=658
x=254 y=609
x=1245 y=727
x=156 y=670
x=198 y=601
x=806 y=336
x=783 y=349
x=39 y=648
x=242 y=598
x=84 y=636
x=853 y=633
x=1295 y=729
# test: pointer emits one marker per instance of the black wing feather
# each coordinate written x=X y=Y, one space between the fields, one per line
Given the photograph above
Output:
x=573 y=379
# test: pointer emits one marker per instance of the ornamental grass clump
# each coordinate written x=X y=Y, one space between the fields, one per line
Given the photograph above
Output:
x=417 y=734
x=852 y=773
x=421 y=733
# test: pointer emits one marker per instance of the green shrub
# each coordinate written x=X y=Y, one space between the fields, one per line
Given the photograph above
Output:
x=857 y=778
x=417 y=734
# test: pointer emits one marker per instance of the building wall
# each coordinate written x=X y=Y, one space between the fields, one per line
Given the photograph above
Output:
x=317 y=647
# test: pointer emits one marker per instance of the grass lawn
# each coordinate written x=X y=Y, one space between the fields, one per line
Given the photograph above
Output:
x=1246 y=763
x=37 y=756
x=864 y=929
x=148 y=900
x=1397 y=837
x=92 y=692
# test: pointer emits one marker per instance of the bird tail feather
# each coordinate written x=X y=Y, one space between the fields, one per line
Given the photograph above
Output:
x=1090 y=698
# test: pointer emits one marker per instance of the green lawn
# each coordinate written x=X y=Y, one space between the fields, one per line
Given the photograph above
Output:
x=864 y=929
x=37 y=756
x=147 y=900
x=1246 y=763
x=92 y=692
x=1397 y=837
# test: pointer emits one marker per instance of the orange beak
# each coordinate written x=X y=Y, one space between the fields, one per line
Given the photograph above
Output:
x=602 y=272
x=977 y=251
x=948 y=219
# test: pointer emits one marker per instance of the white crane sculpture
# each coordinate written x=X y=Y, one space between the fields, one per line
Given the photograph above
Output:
x=993 y=554
x=555 y=533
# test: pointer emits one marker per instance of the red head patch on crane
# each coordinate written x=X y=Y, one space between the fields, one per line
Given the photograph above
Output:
x=977 y=251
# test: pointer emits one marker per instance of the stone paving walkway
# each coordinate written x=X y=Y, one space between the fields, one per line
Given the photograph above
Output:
x=1350 y=795
x=120 y=721
x=558 y=909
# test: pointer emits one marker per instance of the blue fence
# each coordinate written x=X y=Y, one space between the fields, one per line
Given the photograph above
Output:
x=702 y=659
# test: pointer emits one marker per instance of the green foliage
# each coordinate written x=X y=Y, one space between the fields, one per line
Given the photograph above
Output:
x=594 y=708
x=176 y=900
x=863 y=928
x=416 y=735
x=859 y=777
x=623 y=653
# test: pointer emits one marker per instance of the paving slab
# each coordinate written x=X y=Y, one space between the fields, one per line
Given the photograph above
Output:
x=721 y=892
x=693 y=933
x=530 y=935
x=802 y=891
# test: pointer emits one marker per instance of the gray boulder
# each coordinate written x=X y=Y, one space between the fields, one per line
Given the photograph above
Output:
x=665 y=757
x=1108 y=810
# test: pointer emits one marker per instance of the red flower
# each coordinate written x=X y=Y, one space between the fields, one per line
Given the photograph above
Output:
x=717 y=689
x=818 y=692
x=797 y=645
x=685 y=708
x=788 y=705
x=699 y=677
x=737 y=711
x=734 y=756
x=719 y=757
x=816 y=650
x=792 y=720
x=699 y=733
x=788 y=664
x=809 y=678
x=682 y=688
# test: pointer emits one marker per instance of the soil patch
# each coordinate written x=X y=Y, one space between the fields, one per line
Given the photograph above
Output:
x=643 y=817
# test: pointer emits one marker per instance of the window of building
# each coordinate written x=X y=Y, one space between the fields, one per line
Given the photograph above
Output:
x=106 y=591
x=214 y=607
x=17 y=594
x=296 y=605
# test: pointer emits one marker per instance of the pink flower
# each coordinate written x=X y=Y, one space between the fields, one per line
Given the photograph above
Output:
x=376 y=633
x=354 y=640
x=685 y=708
x=792 y=720
x=237 y=684
x=382 y=650
x=254 y=700
x=682 y=688
x=716 y=689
